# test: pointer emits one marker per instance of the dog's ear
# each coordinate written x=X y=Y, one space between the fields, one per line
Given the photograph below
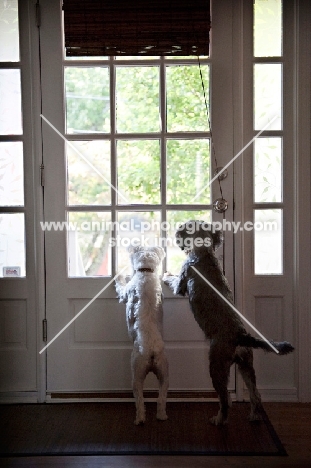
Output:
x=134 y=248
x=217 y=238
x=159 y=251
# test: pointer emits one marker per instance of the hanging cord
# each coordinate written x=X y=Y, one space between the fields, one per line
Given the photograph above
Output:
x=214 y=155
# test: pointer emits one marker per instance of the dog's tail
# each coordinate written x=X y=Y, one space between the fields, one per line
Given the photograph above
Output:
x=249 y=341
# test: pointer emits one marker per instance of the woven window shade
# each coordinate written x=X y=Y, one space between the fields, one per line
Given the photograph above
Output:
x=136 y=27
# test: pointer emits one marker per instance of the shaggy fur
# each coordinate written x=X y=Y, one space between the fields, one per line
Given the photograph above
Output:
x=230 y=343
x=143 y=298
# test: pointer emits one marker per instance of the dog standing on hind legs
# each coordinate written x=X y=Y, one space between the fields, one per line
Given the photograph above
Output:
x=143 y=298
x=230 y=343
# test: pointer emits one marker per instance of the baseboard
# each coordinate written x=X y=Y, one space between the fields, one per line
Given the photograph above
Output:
x=18 y=397
x=276 y=394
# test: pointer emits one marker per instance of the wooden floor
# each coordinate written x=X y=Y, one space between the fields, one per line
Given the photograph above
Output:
x=292 y=422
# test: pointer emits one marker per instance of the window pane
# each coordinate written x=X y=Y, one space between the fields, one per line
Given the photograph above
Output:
x=136 y=228
x=175 y=256
x=89 y=249
x=267 y=28
x=10 y=103
x=268 y=96
x=268 y=228
x=268 y=170
x=12 y=244
x=137 y=95
x=9 y=37
x=87 y=99
x=188 y=171
x=88 y=166
x=11 y=174
x=138 y=171
x=186 y=109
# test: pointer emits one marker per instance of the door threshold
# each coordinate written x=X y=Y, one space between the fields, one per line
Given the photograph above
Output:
x=149 y=395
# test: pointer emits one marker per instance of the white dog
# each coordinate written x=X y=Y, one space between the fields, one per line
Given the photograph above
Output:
x=143 y=298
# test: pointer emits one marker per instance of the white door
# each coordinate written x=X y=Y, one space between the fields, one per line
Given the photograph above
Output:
x=127 y=143
x=119 y=154
x=18 y=293
x=269 y=191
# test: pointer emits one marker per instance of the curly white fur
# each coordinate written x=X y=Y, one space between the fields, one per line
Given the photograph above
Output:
x=144 y=312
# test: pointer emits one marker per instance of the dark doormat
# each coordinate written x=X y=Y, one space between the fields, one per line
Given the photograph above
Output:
x=108 y=429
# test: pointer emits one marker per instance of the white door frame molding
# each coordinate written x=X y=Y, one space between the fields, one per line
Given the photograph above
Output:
x=302 y=156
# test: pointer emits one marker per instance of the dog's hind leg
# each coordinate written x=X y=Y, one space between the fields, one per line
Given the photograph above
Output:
x=244 y=360
x=162 y=374
x=139 y=372
x=220 y=363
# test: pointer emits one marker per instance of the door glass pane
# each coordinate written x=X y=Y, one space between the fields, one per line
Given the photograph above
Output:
x=267 y=28
x=185 y=103
x=88 y=172
x=138 y=171
x=12 y=244
x=175 y=256
x=89 y=249
x=268 y=96
x=268 y=228
x=136 y=228
x=188 y=171
x=9 y=36
x=137 y=99
x=11 y=174
x=87 y=99
x=268 y=170
x=10 y=102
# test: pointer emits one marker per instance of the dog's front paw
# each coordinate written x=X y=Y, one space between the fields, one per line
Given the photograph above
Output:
x=254 y=417
x=140 y=420
x=167 y=277
x=218 y=420
x=120 y=279
x=162 y=416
